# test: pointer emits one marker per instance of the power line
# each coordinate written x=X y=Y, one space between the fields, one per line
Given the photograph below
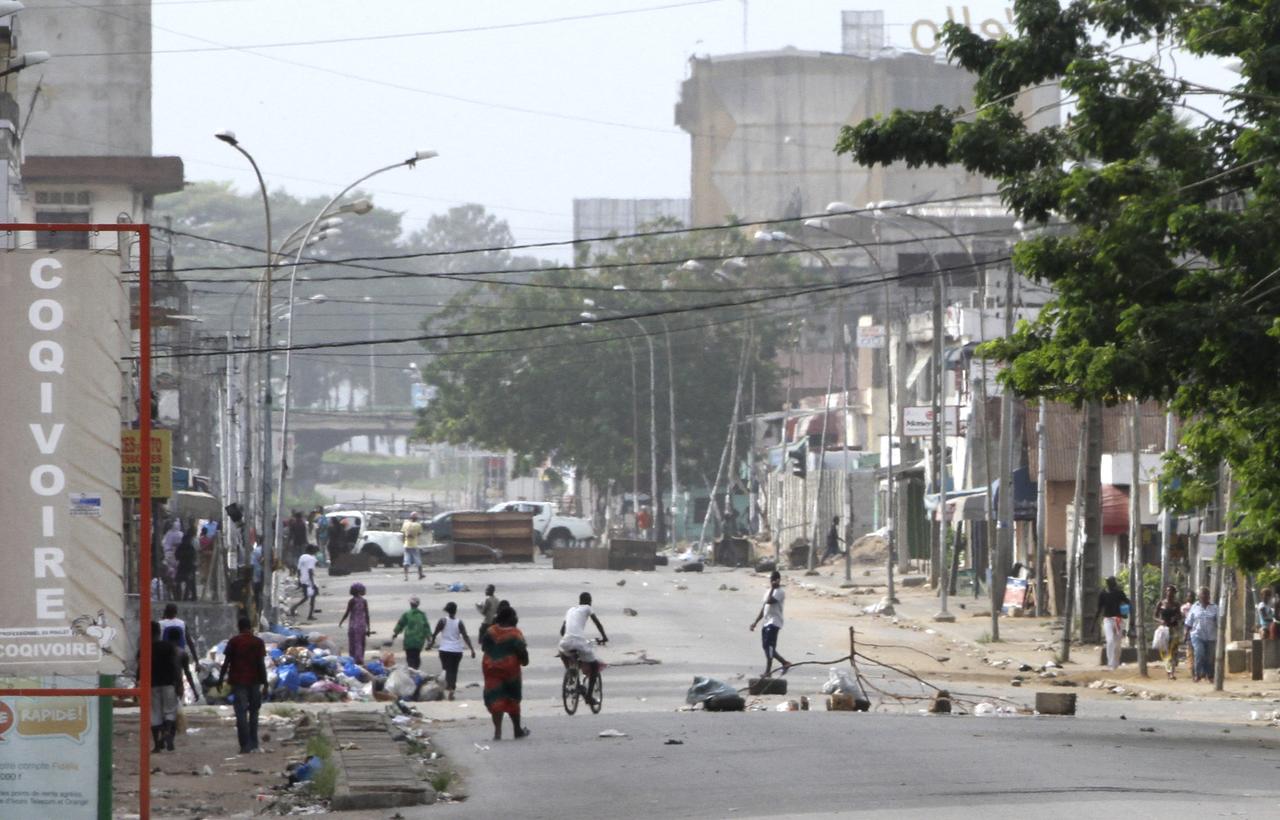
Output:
x=602 y=320
x=383 y=37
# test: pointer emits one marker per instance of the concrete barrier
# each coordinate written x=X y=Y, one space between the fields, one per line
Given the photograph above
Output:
x=575 y=558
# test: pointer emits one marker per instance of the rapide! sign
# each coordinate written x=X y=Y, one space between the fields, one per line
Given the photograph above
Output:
x=65 y=322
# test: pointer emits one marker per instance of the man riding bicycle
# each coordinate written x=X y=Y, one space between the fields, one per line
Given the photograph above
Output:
x=573 y=641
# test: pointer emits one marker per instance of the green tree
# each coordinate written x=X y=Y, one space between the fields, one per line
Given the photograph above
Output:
x=564 y=393
x=1165 y=271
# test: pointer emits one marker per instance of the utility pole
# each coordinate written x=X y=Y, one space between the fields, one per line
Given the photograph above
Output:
x=1042 y=508
x=1135 y=539
x=890 y=509
x=846 y=489
x=1004 y=522
x=1089 y=580
x=940 y=439
x=816 y=531
x=1073 y=554
x=1166 y=513
x=1222 y=583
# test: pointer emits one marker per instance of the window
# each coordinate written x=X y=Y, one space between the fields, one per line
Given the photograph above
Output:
x=64 y=198
x=62 y=240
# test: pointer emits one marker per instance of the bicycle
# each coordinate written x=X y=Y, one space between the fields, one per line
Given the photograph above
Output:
x=572 y=689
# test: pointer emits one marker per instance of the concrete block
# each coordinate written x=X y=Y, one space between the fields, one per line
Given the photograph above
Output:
x=1271 y=654
x=1056 y=703
x=1237 y=660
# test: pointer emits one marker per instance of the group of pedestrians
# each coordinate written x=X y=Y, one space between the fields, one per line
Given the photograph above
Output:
x=1193 y=623
x=172 y=651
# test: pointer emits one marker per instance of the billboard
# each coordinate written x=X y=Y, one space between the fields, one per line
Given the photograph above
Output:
x=162 y=469
x=918 y=421
x=65 y=318
x=50 y=757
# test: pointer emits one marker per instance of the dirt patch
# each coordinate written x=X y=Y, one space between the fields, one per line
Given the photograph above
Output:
x=204 y=776
x=870 y=549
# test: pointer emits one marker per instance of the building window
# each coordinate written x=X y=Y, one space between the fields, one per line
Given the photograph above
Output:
x=62 y=240
x=65 y=198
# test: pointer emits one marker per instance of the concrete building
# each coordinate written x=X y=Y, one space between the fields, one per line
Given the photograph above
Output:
x=763 y=126
x=86 y=143
x=595 y=218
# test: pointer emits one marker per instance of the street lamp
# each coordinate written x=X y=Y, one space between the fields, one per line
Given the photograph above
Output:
x=26 y=60
x=653 y=407
x=411 y=162
x=635 y=411
x=263 y=331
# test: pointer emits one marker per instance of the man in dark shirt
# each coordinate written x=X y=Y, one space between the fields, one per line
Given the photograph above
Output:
x=166 y=681
x=245 y=668
x=833 y=539
x=1113 y=607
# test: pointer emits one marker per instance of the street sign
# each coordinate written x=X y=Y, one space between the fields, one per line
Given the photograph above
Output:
x=871 y=336
x=161 y=463
x=918 y=421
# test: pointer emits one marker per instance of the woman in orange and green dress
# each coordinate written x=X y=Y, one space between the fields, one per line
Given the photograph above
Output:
x=505 y=652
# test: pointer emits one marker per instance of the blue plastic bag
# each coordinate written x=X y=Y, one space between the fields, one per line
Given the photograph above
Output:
x=306 y=679
x=375 y=668
x=289 y=677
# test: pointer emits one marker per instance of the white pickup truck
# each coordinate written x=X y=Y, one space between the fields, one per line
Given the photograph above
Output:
x=552 y=530
x=367 y=533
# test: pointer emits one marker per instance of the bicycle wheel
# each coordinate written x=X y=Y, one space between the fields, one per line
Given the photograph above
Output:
x=595 y=698
x=570 y=690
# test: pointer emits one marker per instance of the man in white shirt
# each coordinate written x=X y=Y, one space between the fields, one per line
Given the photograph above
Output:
x=307 y=582
x=1202 y=624
x=771 y=614
x=573 y=638
x=411 y=530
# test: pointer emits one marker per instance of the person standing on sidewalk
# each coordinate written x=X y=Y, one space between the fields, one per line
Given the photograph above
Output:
x=452 y=634
x=771 y=614
x=1113 y=605
x=411 y=530
x=1202 y=625
x=358 y=630
x=245 y=668
x=1169 y=618
x=413 y=623
x=488 y=610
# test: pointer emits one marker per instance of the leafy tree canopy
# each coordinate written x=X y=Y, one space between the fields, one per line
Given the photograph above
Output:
x=1165 y=262
x=565 y=392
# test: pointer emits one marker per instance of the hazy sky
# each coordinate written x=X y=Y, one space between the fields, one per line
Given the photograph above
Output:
x=527 y=111
x=317 y=117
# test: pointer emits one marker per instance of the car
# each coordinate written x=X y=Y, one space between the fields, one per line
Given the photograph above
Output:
x=370 y=533
x=552 y=530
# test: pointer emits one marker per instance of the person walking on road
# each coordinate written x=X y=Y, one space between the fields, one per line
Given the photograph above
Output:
x=1186 y=632
x=358 y=629
x=771 y=613
x=1169 y=619
x=452 y=635
x=411 y=530
x=174 y=630
x=1202 y=625
x=573 y=639
x=833 y=540
x=166 y=683
x=1113 y=606
x=413 y=623
x=245 y=668
x=307 y=583
x=488 y=609
x=505 y=652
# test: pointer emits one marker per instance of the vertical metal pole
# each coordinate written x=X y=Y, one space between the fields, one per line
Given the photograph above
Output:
x=671 y=407
x=1004 y=523
x=144 y=522
x=937 y=546
x=1166 y=513
x=891 y=509
x=845 y=489
x=940 y=433
x=654 y=501
x=1073 y=552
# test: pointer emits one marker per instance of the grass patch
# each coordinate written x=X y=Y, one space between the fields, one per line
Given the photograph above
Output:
x=326 y=780
x=441 y=780
x=284 y=710
x=984 y=638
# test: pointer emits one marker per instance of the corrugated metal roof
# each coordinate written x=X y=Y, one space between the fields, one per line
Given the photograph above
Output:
x=1063 y=424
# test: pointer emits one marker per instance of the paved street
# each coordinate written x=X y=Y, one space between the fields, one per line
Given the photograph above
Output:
x=892 y=763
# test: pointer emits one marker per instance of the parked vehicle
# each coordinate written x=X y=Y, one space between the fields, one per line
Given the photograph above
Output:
x=552 y=530
x=367 y=533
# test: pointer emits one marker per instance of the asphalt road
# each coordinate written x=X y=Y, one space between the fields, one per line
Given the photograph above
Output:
x=894 y=764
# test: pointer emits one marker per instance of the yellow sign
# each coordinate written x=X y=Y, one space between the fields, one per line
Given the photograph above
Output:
x=161 y=464
x=53 y=716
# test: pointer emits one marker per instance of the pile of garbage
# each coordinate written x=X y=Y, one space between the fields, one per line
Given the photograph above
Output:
x=307 y=667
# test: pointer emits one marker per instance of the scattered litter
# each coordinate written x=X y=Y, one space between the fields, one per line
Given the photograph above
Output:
x=622 y=582
x=612 y=733
x=787 y=706
x=1147 y=729
x=883 y=607
x=206 y=771
x=671 y=741
x=479 y=748
x=629 y=611
x=681 y=586
x=984 y=709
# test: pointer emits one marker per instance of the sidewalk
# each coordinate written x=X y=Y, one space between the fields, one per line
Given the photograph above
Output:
x=1025 y=659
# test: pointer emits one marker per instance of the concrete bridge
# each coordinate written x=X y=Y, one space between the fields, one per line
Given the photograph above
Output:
x=315 y=431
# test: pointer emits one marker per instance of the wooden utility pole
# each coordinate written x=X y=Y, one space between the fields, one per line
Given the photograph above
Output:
x=1004 y=524
x=1089 y=580
x=1223 y=583
x=937 y=545
x=1073 y=554
x=1042 y=507
x=1135 y=538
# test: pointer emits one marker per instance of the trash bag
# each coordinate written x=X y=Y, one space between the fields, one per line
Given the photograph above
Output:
x=305 y=771
x=289 y=678
x=306 y=679
x=705 y=688
x=401 y=683
x=1160 y=640
x=840 y=680
x=376 y=668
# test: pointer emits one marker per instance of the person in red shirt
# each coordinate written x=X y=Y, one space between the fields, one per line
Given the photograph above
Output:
x=245 y=668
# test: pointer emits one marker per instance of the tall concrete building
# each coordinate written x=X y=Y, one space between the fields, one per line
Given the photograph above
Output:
x=764 y=125
x=87 y=137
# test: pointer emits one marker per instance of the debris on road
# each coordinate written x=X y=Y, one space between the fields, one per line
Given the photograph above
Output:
x=612 y=733
x=629 y=611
